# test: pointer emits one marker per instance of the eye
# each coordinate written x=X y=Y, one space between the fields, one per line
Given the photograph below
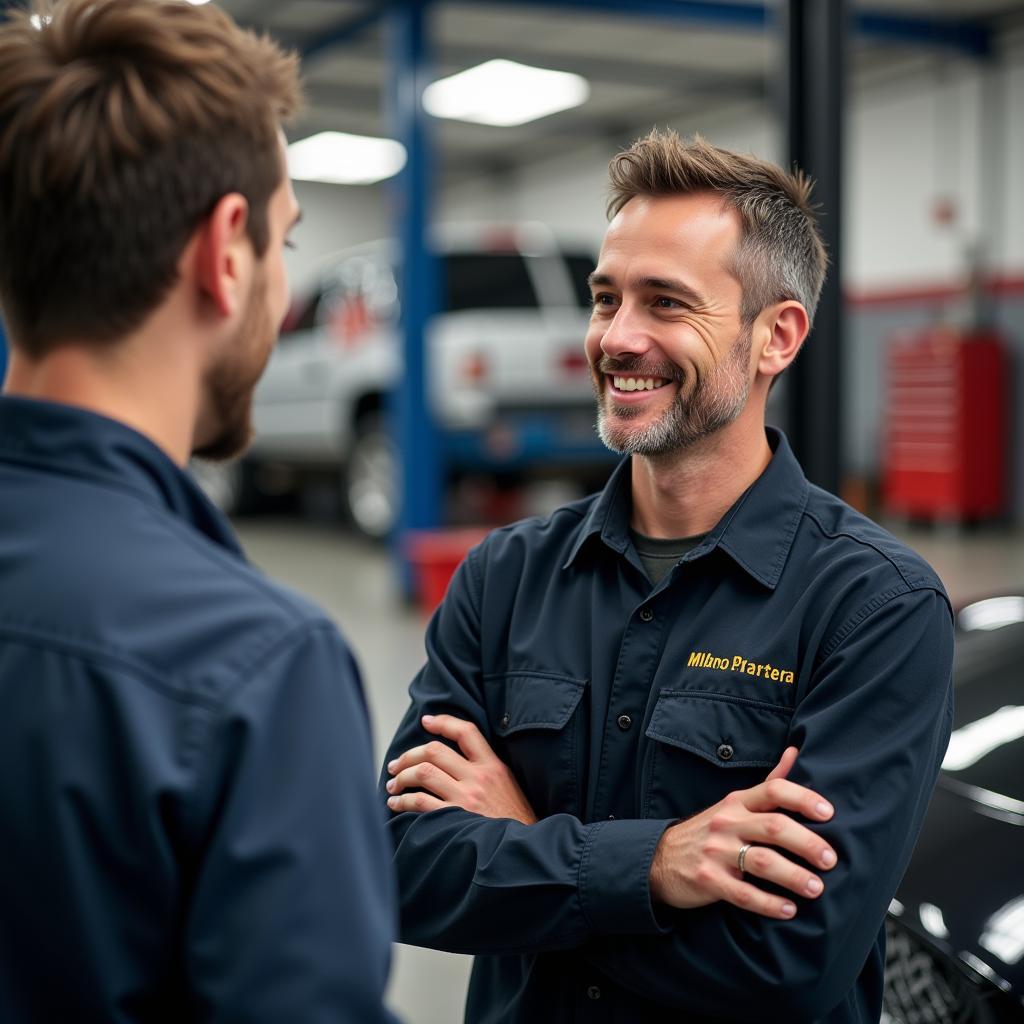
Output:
x=289 y=244
x=664 y=302
x=603 y=299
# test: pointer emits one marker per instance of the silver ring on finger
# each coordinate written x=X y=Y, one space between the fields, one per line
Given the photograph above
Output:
x=741 y=857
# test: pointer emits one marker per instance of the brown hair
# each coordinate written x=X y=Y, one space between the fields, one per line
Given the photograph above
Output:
x=781 y=254
x=122 y=124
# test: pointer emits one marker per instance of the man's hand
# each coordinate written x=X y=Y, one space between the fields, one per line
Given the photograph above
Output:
x=695 y=862
x=476 y=780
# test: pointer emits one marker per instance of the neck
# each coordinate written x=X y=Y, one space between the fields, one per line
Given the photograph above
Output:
x=149 y=382
x=688 y=492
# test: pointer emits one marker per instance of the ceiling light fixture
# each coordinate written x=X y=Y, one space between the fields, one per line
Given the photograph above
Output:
x=343 y=159
x=504 y=93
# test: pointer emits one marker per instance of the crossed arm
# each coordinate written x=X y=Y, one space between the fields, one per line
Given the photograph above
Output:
x=660 y=905
x=695 y=862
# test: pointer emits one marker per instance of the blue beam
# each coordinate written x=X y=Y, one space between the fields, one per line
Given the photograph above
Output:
x=416 y=431
x=967 y=35
x=3 y=353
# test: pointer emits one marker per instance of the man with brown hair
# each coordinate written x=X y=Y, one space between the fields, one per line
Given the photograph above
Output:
x=187 y=814
x=611 y=784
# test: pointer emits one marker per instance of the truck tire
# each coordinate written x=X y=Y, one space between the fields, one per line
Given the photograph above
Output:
x=370 y=488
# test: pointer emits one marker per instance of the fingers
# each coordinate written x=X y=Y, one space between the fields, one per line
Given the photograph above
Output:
x=424 y=776
x=762 y=862
x=786 y=762
x=778 y=793
x=416 y=802
x=436 y=753
x=469 y=738
x=748 y=897
x=782 y=831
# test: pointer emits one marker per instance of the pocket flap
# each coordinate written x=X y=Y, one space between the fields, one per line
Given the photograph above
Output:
x=728 y=731
x=535 y=701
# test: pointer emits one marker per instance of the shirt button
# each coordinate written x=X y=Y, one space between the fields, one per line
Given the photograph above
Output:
x=593 y=992
x=625 y=722
x=505 y=719
x=646 y=614
x=725 y=752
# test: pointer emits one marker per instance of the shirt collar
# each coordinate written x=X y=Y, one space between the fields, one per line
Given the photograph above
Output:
x=756 y=533
x=73 y=441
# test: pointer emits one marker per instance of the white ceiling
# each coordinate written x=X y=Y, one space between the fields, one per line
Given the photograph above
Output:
x=642 y=70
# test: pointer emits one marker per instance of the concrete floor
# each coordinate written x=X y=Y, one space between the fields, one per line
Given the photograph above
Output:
x=355 y=582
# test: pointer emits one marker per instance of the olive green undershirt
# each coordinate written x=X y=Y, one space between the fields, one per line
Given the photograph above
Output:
x=659 y=555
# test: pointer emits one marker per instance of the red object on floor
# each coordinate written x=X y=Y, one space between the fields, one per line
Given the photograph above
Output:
x=434 y=556
x=946 y=430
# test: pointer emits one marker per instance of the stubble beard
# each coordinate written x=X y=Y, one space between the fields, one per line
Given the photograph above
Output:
x=712 y=402
x=230 y=382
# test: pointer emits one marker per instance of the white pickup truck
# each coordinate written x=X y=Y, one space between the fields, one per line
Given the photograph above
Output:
x=509 y=387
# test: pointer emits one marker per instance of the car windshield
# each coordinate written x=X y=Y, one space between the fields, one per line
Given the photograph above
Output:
x=486 y=281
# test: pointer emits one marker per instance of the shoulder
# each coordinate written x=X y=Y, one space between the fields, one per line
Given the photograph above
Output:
x=133 y=586
x=857 y=544
x=538 y=537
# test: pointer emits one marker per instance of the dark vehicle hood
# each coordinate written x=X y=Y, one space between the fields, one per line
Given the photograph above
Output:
x=964 y=888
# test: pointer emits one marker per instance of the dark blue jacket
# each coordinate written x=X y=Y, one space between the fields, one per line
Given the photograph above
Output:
x=188 y=827
x=623 y=707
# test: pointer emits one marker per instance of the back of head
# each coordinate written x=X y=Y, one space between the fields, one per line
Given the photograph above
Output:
x=122 y=123
x=781 y=255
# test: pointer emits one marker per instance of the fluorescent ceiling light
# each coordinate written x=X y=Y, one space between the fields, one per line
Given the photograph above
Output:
x=343 y=159
x=504 y=93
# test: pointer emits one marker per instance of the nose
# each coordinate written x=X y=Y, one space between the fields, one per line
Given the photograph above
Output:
x=625 y=335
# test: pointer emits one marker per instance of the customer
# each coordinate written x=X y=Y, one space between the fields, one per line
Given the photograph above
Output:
x=187 y=819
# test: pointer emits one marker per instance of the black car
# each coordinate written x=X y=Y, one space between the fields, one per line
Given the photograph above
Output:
x=956 y=926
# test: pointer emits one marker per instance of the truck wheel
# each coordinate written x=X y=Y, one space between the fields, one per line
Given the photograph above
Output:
x=370 y=487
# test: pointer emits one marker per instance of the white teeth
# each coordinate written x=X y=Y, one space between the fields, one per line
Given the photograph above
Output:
x=637 y=383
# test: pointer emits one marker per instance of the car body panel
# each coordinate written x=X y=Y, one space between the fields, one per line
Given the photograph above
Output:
x=963 y=892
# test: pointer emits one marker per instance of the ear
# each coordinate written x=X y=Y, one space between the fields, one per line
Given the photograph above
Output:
x=781 y=330
x=224 y=254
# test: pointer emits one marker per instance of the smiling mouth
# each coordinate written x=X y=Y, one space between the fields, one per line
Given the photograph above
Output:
x=622 y=382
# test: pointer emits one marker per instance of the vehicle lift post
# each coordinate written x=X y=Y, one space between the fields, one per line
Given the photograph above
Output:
x=416 y=434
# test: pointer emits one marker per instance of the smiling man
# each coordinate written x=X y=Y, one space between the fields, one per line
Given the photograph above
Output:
x=187 y=811
x=672 y=744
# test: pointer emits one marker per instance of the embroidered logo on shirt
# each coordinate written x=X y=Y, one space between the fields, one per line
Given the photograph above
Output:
x=702 y=659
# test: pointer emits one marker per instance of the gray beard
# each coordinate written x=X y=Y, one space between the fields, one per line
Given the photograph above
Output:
x=713 y=402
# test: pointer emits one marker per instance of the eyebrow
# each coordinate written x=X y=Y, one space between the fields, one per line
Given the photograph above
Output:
x=665 y=284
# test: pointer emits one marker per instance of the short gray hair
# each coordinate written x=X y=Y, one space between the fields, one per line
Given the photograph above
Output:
x=780 y=256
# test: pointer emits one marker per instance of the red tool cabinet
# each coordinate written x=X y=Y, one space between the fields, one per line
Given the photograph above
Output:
x=945 y=426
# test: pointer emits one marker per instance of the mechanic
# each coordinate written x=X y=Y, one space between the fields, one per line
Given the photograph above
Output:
x=672 y=745
x=189 y=824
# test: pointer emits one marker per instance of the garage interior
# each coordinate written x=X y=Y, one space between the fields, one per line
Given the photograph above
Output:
x=912 y=125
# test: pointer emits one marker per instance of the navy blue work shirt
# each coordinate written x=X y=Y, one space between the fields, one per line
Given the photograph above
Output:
x=623 y=707
x=188 y=824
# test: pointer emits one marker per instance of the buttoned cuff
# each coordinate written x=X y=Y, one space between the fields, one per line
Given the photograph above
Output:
x=614 y=880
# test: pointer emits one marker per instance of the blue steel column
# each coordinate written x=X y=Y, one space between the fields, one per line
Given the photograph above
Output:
x=416 y=432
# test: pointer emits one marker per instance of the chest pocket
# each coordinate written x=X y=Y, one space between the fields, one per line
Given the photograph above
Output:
x=705 y=745
x=536 y=723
